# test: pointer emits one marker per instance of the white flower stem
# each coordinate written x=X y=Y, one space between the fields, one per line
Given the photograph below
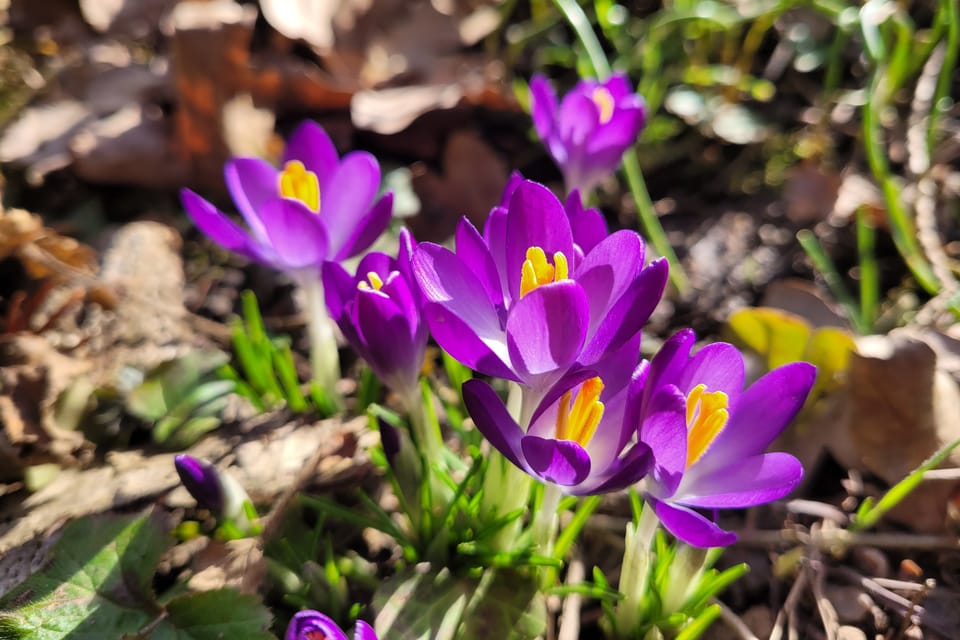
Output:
x=324 y=354
x=635 y=573
x=685 y=573
x=546 y=520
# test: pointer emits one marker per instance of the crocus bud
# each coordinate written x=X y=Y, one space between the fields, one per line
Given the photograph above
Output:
x=201 y=479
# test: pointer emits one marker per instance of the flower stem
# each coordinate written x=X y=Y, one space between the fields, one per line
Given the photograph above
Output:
x=635 y=574
x=546 y=521
x=684 y=576
x=649 y=221
x=324 y=355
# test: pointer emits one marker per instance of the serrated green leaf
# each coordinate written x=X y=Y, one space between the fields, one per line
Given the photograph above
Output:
x=215 y=615
x=96 y=586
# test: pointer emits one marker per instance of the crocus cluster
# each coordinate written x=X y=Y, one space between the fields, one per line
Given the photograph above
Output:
x=525 y=300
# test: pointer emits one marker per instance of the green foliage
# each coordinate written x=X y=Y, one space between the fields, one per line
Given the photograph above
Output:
x=181 y=399
x=267 y=374
x=98 y=585
x=435 y=604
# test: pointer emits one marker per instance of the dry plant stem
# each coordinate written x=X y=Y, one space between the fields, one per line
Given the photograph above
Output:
x=831 y=540
x=734 y=622
x=570 y=613
x=902 y=606
x=828 y=614
x=786 y=615
x=635 y=573
x=505 y=487
x=324 y=354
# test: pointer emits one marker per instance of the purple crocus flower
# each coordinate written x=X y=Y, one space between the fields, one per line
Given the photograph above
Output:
x=578 y=438
x=588 y=132
x=378 y=311
x=525 y=302
x=709 y=448
x=313 y=625
x=317 y=207
x=202 y=480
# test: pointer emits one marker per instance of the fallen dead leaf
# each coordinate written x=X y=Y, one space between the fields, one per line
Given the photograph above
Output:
x=236 y=563
x=472 y=183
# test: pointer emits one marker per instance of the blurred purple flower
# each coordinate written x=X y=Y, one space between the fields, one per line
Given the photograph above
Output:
x=379 y=313
x=316 y=208
x=202 y=480
x=588 y=132
x=313 y=625
x=708 y=435
x=525 y=301
x=578 y=437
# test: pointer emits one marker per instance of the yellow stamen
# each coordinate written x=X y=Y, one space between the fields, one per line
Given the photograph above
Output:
x=298 y=183
x=537 y=271
x=373 y=281
x=707 y=415
x=579 y=423
x=605 y=103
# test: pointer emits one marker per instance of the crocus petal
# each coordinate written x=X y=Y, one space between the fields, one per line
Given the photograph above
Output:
x=219 y=228
x=628 y=313
x=588 y=225
x=251 y=182
x=466 y=320
x=619 y=86
x=472 y=250
x=349 y=197
x=621 y=473
x=305 y=622
x=669 y=361
x=368 y=228
x=608 y=270
x=615 y=136
x=664 y=430
x=749 y=482
x=364 y=631
x=719 y=366
x=543 y=110
x=535 y=219
x=546 y=328
x=386 y=331
x=464 y=344
x=760 y=414
x=690 y=526
x=579 y=117
x=493 y=420
x=296 y=234
x=495 y=237
x=339 y=288
x=562 y=462
x=311 y=145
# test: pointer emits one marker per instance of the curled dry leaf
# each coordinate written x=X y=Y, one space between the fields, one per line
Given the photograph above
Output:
x=236 y=563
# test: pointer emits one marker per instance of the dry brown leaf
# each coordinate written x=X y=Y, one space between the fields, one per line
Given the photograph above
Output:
x=810 y=193
x=32 y=376
x=236 y=563
x=804 y=299
x=472 y=183
x=899 y=407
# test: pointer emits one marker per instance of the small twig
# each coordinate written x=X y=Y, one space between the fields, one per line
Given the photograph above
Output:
x=819 y=510
x=735 y=622
x=895 y=601
x=788 y=612
x=831 y=539
x=942 y=474
x=828 y=614
x=570 y=612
